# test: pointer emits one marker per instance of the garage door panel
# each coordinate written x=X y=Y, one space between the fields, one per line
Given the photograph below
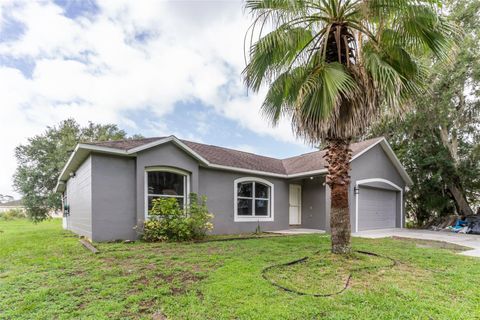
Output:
x=377 y=209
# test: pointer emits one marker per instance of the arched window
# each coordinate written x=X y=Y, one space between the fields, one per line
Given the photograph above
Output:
x=164 y=182
x=253 y=199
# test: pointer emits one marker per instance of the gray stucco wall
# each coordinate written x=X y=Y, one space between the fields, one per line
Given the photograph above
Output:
x=166 y=155
x=79 y=198
x=374 y=164
x=113 y=198
x=113 y=190
x=313 y=203
x=218 y=186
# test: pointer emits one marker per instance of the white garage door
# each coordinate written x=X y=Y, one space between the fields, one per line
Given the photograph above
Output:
x=376 y=209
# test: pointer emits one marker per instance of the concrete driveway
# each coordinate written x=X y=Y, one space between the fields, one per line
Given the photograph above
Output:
x=466 y=240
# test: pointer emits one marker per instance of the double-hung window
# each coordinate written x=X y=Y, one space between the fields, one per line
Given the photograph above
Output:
x=253 y=199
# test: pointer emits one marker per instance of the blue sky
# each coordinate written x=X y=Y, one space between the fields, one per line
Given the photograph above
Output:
x=152 y=67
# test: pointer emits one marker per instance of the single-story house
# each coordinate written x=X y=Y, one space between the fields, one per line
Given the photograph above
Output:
x=108 y=187
x=12 y=205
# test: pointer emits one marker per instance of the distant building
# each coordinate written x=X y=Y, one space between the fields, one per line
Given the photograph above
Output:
x=12 y=205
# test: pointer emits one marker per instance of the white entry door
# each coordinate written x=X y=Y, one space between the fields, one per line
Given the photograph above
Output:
x=295 y=204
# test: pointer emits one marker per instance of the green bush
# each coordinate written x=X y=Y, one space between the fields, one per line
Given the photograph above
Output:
x=12 y=214
x=169 y=222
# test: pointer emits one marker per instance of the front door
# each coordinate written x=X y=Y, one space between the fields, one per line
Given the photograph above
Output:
x=295 y=204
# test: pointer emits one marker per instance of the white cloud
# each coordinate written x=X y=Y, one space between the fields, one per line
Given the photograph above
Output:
x=129 y=56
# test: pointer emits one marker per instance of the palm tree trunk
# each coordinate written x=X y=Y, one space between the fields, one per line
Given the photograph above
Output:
x=338 y=158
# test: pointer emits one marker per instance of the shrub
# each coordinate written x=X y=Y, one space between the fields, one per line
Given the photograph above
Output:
x=12 y=214
x=168 y=221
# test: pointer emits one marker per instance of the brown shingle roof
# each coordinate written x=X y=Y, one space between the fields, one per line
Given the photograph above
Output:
x=315 y=160
x=239 y=159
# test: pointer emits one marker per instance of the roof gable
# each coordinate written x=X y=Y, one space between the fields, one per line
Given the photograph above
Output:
x=312 y=161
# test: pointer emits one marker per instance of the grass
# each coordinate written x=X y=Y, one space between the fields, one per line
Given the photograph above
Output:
x=46 y=274
x=324 y=273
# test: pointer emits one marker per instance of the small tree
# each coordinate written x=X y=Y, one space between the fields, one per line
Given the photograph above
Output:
x=41 y=159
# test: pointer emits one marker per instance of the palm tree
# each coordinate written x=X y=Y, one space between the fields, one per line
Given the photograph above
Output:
x=335 y=66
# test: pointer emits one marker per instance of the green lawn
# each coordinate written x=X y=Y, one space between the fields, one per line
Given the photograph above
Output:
x=46 y=274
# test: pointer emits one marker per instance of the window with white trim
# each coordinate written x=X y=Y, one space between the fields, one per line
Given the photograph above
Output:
x=253 y=200
x=166 y=183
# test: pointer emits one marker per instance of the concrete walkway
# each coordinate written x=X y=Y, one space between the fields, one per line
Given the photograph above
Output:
x=465 y=240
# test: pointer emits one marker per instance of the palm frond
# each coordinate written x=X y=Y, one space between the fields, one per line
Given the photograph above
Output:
x=273 y=53
x=325 y=89
x=279 y=12
x=334 y=65
x=324 y=86
x=282 y=94
x=281 y=6
x=421 y=27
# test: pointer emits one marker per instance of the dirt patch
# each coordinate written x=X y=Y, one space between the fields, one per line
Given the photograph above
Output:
x=128 y=265
x=82 y=305
x=143 y=280
x=159 y=316
x=420 y=243
x=76 y=273
x=146 y=305
x=199 y=295
x=193 y=268
x=180 y=282
x=177 y=291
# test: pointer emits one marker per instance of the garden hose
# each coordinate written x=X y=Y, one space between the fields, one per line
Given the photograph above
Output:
x=301 y=260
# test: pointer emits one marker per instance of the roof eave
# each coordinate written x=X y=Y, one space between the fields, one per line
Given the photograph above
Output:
x=306 y=173
x=60 y=187
x=70 y=165
x=398 y=165
x=243 y=170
